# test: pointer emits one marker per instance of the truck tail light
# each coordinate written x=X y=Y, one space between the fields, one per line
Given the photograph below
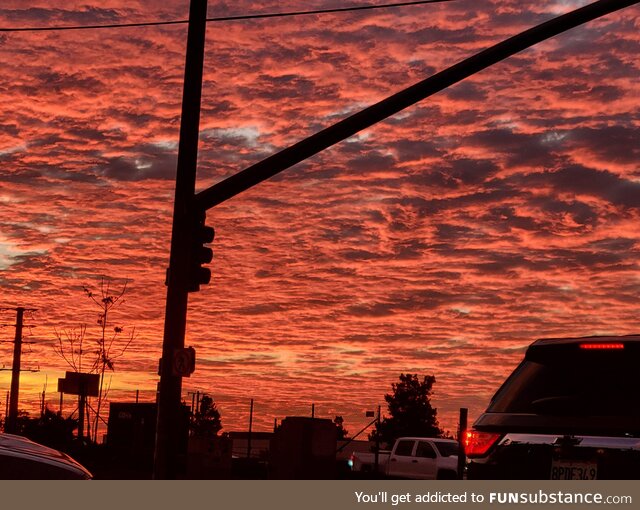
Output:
x=477 y=444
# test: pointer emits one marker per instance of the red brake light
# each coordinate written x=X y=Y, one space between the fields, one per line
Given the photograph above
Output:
x=602 y=345
x=477 y=444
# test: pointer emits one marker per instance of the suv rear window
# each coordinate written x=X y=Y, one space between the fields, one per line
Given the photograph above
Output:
x=572 y=383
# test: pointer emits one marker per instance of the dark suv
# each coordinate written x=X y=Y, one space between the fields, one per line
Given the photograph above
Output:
x=570 y=410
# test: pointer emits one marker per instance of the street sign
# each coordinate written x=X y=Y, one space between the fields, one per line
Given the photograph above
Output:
x=183 y=362
x=78 y=383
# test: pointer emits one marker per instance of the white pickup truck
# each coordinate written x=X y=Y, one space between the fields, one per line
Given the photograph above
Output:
x=421 y=458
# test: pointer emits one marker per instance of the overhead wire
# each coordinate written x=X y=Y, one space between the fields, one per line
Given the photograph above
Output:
x=224 y=18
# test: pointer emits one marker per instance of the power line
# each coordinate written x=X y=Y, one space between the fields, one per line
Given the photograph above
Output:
x=224 y=18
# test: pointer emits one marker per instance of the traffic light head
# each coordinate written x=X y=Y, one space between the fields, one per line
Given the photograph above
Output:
x=199 y=235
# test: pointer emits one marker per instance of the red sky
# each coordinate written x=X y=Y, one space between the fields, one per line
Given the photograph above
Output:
x=442 y=241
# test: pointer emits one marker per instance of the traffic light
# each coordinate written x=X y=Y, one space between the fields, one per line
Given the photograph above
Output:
x=199 y=254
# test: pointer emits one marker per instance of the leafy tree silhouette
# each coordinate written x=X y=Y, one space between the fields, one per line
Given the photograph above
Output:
x=206 y=421
x=411 y=412
x=50 y=429
x=341 y=432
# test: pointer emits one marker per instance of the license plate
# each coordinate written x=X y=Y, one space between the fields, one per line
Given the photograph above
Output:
x=571 y=470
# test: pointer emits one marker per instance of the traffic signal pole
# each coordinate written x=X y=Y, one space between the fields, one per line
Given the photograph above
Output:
x=168 y=456
x=363 y=119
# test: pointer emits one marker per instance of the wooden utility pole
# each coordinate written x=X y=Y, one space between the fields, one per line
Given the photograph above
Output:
x=15 y=374
x=12 y=411
x=14 y=395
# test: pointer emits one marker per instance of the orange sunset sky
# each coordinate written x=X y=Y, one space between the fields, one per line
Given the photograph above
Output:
x=442 y=241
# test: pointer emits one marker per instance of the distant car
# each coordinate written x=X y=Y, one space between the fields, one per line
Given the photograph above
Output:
x=22 y=459
x=570 y=410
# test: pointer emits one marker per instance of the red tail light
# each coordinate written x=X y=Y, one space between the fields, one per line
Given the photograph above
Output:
x=477 y=444
x=602 y=345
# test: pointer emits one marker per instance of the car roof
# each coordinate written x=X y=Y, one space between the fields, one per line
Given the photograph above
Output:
x=19 y=446
x=582 y=339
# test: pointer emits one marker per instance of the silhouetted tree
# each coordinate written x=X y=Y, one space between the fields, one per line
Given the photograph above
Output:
x=112 y=342
x=50 y=429
x=206 y=420
x=410 y=409
x=341 y=432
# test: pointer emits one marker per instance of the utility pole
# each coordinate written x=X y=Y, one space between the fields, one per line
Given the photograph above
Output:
x=168 y=458
x=15 y=373
x=12 y=411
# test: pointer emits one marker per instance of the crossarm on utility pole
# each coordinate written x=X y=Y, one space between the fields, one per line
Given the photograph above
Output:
x=348 y=127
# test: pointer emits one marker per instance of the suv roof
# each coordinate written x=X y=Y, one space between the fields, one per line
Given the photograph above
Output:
x=589 y=347
x=544 y=342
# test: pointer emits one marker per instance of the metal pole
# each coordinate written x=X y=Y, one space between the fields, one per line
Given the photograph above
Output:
x=462 y=430
x=12 y=415
x=250 y=431
x=137 y=396
x=313 y=410
x=81 y=408
x=168 y=429
x=86 y=403
x=376 y=463
x=342 y=130
x=61 y=397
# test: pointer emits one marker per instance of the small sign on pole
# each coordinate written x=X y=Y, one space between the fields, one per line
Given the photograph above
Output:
x=183 y=362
